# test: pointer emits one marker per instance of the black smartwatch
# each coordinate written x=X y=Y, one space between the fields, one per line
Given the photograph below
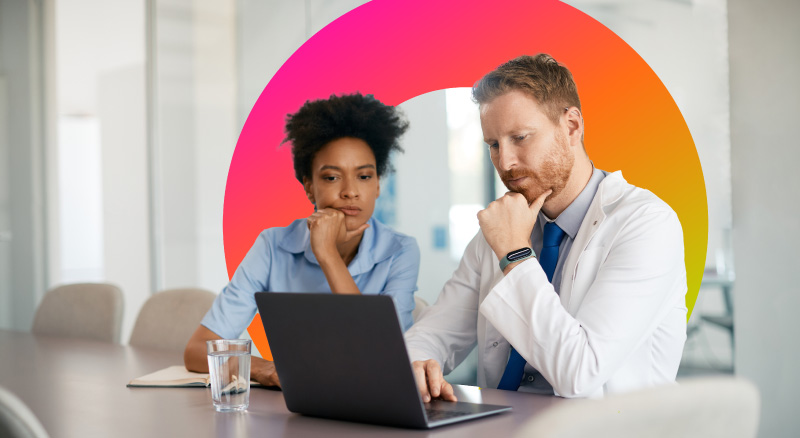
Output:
x=515 y=256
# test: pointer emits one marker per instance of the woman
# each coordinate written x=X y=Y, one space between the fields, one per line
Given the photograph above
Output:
x=341 y=148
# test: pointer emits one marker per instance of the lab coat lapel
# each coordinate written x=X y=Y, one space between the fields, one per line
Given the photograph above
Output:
x=609 y=192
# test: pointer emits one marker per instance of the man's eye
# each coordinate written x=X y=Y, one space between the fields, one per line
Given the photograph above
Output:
x=520 y=137
x=365 y=176
x=493 y=145
x=329 y=178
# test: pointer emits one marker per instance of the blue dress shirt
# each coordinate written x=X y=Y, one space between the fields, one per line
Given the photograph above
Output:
x=281 y=260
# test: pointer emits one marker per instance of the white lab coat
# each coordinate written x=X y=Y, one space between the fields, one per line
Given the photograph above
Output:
x=619 y=323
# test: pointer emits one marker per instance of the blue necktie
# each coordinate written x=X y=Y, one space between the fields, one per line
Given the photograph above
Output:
x=548 y=258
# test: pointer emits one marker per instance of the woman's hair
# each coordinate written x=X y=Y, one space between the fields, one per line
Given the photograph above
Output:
x=320 y=122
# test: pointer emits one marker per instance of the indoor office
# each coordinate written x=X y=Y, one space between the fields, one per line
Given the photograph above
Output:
x=119 y=122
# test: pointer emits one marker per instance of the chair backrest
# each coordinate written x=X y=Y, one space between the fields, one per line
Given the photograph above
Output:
x=82 y=310
x=168 y=318
x=16 y=420
x=703 y=407
x=419 y=306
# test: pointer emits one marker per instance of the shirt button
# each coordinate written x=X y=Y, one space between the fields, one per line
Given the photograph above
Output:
x=495 y=344
x=530 y=378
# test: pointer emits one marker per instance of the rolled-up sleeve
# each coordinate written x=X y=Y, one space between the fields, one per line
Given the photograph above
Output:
x=235 y=306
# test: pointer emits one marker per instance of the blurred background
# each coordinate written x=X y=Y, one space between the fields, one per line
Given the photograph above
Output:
x=118 y=121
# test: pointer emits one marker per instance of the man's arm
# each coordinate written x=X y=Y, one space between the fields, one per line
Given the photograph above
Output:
x=195 y=358
x=641 y=280
x=447 y=331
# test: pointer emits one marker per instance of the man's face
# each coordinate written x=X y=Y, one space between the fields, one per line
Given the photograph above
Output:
x=344 y=177
x=530 y=152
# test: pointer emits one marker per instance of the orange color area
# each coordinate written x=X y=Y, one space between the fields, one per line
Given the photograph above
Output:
x=256 y=331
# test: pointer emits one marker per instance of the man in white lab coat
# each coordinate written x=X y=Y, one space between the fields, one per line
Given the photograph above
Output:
x=575 y=284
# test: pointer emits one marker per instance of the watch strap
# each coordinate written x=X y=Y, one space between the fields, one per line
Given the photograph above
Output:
x=516 y=256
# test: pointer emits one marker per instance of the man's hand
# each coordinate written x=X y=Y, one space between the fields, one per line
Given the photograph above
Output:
x=430 y=381
x=328 y=230
x=507 y=223
x=263 y=372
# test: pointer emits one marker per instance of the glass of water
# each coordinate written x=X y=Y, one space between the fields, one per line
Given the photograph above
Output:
x=229 y=367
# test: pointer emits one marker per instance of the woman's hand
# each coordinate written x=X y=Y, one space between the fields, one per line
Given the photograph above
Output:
x=263 y=372
x=327 y=227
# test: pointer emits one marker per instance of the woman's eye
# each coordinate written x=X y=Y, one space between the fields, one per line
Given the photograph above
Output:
x=329 y=178
x=365 y=177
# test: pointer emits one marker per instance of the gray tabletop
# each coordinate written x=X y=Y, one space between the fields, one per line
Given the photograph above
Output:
x=77 y=388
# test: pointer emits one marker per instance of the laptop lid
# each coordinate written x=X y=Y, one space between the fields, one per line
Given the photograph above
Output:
x=341 y=357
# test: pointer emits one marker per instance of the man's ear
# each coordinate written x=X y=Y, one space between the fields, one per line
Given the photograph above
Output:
x=308 y=187
x=379 y=188
x=574 y=122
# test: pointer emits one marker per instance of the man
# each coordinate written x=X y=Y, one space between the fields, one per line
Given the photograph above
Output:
x=575 y=284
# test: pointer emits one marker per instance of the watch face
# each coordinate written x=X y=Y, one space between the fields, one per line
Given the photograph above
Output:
x=519 y=254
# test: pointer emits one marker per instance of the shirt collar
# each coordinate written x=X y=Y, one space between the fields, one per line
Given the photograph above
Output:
x=571 y=218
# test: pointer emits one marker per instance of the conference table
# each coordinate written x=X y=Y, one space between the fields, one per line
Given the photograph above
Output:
x=77 y=389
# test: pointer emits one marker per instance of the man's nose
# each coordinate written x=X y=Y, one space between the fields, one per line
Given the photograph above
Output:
x=506 y=156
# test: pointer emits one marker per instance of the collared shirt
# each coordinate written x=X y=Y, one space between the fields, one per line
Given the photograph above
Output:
x=281 y=260
x=570 y=221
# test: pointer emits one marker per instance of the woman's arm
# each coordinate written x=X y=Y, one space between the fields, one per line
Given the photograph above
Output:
x=329 y=240
x=195 y=358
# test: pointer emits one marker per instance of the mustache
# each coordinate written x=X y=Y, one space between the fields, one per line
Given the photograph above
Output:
x=508 y=175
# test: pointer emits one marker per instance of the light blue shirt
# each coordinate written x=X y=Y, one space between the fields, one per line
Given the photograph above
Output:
x=281 y=260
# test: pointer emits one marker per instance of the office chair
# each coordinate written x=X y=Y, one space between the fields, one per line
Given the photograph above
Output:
x=168 y=318
x=16 y=420
x=419 y=306
x=82 y=310
x=704 y=407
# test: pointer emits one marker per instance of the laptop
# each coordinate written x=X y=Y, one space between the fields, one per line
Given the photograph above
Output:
x=343 y=357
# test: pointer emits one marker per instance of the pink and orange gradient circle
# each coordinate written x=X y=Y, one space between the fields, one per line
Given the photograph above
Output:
x=397 y=50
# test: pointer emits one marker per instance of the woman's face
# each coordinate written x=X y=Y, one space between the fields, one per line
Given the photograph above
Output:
x=344 y=176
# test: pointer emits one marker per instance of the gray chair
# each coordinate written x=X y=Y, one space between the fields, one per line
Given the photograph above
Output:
x=16 y=420
x=704 y=407
x=168 y=318
x=419 y=306
x=82 y=310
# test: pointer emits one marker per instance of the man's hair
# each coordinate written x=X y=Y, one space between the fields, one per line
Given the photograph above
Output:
x=320 y=122
x=540 y=76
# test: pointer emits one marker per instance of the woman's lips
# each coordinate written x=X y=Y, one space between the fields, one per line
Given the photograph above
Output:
x=350 y=211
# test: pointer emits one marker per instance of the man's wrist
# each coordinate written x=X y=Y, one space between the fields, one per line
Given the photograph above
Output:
x=515 y=256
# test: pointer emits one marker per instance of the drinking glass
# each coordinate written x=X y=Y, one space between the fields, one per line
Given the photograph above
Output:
x=229 y=368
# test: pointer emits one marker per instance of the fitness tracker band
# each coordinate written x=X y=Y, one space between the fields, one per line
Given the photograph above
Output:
x=515 y=256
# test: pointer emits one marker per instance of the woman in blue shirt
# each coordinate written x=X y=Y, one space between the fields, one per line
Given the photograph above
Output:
x=340 y=148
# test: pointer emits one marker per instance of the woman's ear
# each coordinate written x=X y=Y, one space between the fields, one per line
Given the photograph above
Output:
x=379 y=188
x=308 y=187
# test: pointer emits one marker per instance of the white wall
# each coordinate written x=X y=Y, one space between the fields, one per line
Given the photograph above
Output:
x=100 y=232
x=197 y=130
x=765 y=104
x=126 y=212
x=423 y=188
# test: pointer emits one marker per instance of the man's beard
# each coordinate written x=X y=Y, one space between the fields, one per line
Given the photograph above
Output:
x=552 y=174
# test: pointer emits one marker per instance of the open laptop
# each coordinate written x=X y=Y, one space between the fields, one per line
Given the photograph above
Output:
x=344 y=357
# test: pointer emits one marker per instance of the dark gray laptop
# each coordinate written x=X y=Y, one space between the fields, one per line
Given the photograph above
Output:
x=344 y=357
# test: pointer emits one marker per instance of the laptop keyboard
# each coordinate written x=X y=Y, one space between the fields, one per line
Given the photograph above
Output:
x=436 y=414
